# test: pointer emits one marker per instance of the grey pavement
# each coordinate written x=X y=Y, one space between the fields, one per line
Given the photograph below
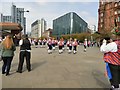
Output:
x=81 y=70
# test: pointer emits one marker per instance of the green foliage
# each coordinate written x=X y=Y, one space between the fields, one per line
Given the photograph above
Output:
x=80 y=36
x=116 y=30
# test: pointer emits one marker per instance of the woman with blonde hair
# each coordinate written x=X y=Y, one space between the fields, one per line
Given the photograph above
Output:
x=7 y=52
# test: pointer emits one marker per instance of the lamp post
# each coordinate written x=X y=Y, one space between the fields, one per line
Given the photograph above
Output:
x=24 y=24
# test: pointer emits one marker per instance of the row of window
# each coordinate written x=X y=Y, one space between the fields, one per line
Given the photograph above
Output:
x=115 y=12
x=117 y=20
x=116 y=3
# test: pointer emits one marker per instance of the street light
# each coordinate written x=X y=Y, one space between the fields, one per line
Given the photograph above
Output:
x=23 y=19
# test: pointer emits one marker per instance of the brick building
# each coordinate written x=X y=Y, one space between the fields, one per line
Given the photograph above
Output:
x=108 y=16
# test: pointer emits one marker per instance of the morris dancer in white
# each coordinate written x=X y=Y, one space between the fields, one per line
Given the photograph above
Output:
x=60 y=43
x=85 y=45
x=75 y=44
x=53 y=43
x=70 y=46
x=40 y=42
x=49 y=43
x=44 y=42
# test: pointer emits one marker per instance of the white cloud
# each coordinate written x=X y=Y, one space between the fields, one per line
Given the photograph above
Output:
x=92 y=20
x=89 y=18
x=84 y=13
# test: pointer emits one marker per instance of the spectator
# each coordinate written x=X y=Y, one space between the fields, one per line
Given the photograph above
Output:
x=112 y=59
x=25 y=48
x=7 y=52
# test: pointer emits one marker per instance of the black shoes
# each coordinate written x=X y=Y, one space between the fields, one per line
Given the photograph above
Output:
x=3 y=72
x=19 y=71
x=7 y=74
x=29 y=70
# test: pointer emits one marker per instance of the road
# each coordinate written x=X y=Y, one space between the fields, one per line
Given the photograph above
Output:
x=81 y=70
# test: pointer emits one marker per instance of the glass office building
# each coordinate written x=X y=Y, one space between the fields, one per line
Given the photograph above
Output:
x=69 y=23
x=17 y=15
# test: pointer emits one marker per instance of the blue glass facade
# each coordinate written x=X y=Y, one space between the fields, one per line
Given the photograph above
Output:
x=69 y=23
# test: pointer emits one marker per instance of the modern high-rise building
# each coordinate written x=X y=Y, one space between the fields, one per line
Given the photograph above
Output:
x=43 y=25
x=69 y=23
x=109 y=16
x=38 y=28
x=7 y=19
x=17 y=15
x=1 y=17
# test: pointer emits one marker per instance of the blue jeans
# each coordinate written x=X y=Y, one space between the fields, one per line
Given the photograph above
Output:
x=6 y=64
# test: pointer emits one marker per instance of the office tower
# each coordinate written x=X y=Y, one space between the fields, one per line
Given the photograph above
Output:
x=69 y=23
x=17 y=15
x=38 y=28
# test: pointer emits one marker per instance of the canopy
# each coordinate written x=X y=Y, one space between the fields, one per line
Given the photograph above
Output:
x=13 y=28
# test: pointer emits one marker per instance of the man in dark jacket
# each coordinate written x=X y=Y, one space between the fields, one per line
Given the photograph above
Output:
x=25 y=48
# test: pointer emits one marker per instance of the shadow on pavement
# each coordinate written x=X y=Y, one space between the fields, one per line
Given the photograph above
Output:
x=38 y=64
x=100 y=79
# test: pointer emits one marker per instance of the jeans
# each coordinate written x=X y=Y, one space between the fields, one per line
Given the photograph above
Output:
x=6 y=64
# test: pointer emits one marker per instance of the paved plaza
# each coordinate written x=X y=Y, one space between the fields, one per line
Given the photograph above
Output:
x=81 y=70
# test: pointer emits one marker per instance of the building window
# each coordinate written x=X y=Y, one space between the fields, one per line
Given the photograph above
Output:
x=115 y=12
x=101 y=15
x=102 y=2
x=110 y=6
x=119 y=3
x=118 y=11
x=119 y=19
x=115 y=4
x=101 y=25
x=101 y=20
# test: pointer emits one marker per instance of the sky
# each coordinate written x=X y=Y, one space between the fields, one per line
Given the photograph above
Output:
x=50 y=10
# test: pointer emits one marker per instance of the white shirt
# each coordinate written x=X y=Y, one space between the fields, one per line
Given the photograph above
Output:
x=111 y=47
x=20 y=43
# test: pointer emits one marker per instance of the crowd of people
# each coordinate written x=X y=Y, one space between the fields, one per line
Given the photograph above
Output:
x=52 y=44
x=7 y=48
x=110 y=47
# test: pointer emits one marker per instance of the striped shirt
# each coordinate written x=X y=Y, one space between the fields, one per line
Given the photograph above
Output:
x=111 y=52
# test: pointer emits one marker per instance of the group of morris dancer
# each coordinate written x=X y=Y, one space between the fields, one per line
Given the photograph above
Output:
x=52 y=43
x=71 y=45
